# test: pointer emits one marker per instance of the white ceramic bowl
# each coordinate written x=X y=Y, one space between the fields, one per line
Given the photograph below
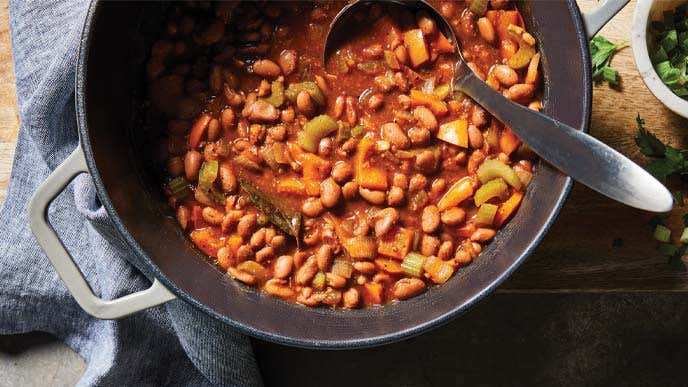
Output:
x=646 y=11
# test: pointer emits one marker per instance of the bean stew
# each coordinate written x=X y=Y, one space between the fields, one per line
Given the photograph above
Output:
x=347 y=184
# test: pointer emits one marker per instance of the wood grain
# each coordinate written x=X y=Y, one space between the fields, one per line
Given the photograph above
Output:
x=579 y=253
x=9 y=121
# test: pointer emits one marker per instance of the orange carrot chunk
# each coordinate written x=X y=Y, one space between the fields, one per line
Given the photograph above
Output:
x=508 y=208
x=417 y=50
x=457 y=193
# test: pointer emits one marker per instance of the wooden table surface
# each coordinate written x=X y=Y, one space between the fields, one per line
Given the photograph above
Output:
x=579 y=254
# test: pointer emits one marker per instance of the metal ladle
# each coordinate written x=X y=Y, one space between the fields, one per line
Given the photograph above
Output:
x=577 y=154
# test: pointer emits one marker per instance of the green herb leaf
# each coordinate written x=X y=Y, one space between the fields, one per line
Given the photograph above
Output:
x=601 y=52
x=647 y=142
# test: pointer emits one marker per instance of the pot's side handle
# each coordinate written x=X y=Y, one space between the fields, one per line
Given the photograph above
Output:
x=595 y=20
x=64 y=264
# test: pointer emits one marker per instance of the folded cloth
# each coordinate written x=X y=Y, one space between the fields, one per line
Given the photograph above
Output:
x=173 y=344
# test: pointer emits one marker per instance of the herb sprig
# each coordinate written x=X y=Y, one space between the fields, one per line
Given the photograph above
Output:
x=601 y=52
x=667 y=160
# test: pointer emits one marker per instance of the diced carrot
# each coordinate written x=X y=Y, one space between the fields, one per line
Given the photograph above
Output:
x=367 y=176
x=372 y=178
x=197 y=217
x=372 y=293
x=457 y=193
x=313 y=168
x=415 y=44
x=441 y=45
x=438 y=270
x=506 y=17
x=507 y=208
x=291 y=185
x=396 y=243
x=532 y=75
x=312 y=187
x=508 y=142
x=198 y=129
x=388 y=265
x=454 y=132
x=208 y=240
x=431 y=101
x=234 y=242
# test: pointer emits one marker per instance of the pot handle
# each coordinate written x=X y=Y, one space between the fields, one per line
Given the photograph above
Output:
x=595 y=20
x=64 y=264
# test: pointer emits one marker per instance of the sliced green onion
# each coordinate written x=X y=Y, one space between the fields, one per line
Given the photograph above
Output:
x=662 y=233
x=319 y=281
x=413 y=264
x=179 y=187
x=342 y=268
x=486 y=214
x=208 y=173
x=314 y=130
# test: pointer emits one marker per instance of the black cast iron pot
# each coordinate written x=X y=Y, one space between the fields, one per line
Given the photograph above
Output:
x=109 y=79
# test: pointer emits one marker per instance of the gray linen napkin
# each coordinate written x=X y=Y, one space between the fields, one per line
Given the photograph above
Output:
x=173 y=344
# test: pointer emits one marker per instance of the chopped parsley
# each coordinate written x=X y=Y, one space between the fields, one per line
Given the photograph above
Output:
x=601 y=52
x=667 y=160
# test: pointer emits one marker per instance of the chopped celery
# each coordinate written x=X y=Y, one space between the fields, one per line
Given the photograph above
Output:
x=311 y=87
x=179 y=187
x=684 y=236
x=486 y=214
x=319 y=281
x=413 y=264
x=208 y=173
x=493 y=168
x=357 y=131
x=314 y=131
x=343 y=132
x=478 y=7
x=662 y=233
x=276 y=97
x=254 y=268
x=491 y=189
x=342 y=268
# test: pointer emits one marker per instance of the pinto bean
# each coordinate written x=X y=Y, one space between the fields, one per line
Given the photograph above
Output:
x=408 y=287
x=475 y=137
x=213 y=129
x=283 y=266
x=262 y=111
x=521 y=93
x=305 y=104
x=277 y=241
x=425 y=23
x=334 y=280
x=246 y=224
x=425 y=117
x=385 y=220
x=288 y=115
x=266 y=68
x=400 y=180
x=287 y=61
x=305 y=273
x=175 y=166
x=192 y=164
x=323 y=257
x=242 y=276
x=341 y=172
x=401 y=54
x=373 y=51
x=312 y=207
x=430 y=220
x=417 y=182
x=375 y=101
x=183 y=216
x=350 y=298
x=349 y=190
x=372 y=197
x=478 y=116
x=486 y=30
x=426 y=161
x=257 y=239
x=395 y=196
x=505 y=75
x=265 y=253
x=419 y=136
x=474 y=161
x=392 y=132
x=278 y=288
x=227 y=178
x=351 y=113
x=330 y=193
x=483 y=234
x=227 y=119
x=325 y=147
x=429 y=245
x=212 y=216
x=338 y=108
x=453 y=216
x=446 y=250
x=364 y=267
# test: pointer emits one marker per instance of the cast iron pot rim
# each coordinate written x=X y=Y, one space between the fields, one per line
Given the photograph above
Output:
x=151 y=270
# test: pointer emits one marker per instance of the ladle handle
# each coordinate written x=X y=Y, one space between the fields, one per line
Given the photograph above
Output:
x=581 y=156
